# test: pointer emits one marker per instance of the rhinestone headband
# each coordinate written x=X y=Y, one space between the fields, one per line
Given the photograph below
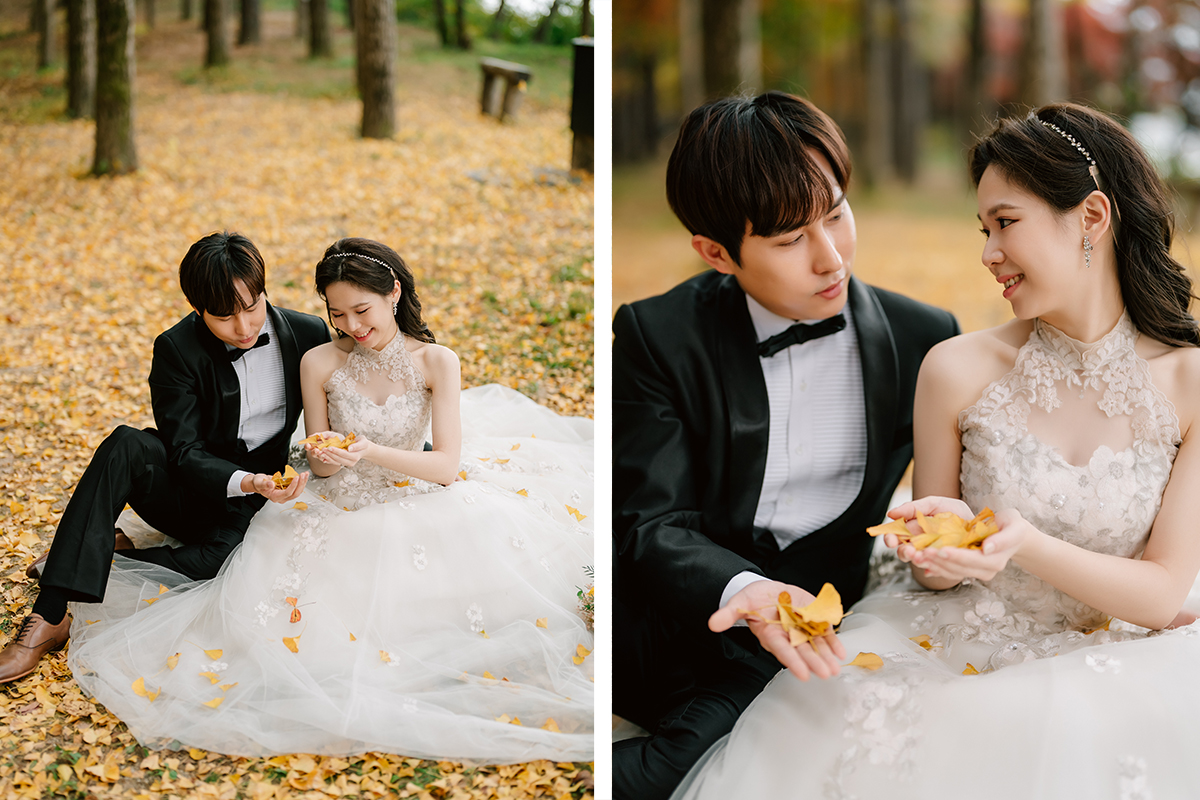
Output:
x=1093 y=170
x=360 y=255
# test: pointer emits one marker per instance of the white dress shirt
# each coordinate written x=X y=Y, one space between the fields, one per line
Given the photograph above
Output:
x=263 y=410
x=817 y=435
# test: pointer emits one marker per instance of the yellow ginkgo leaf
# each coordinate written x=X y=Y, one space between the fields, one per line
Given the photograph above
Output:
x=581 y=653
x=139 y=687
x=385 y=656
x=516 y=721
x=353 y=638
x=196 y=754
x=91 y=621
x=489 y=675
x=503 y=718
x=292 y=643
x=484 y=634
x=173 y=661
x=213 y=654
x=485 y=460
x=152 y=695
x=501 y=460
x=225 y=687
x=523 y=493
x=213 y=677
x=970 y=670
x=551 y=725
x=543 y=622
x=463 y=474
x=402 y=484
x=574 y=512
x=149 y=600
x=299 y=506
x=515 y=447
x=284 y=479
x=867 y=661
x=922 y=640
x=216 y=701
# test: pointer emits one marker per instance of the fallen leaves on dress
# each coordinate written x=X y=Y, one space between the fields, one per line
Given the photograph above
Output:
x=139 y=688
x=942 y=530
x=869 y=661
x=213 y=677
x=151 y=600
x=543 y=622
x=970 y=669
x=293 y=642
x=923 y=640
x=216 y=701
x=300 y=506
x=173 y=661
x=574 y=512
x=581 y=653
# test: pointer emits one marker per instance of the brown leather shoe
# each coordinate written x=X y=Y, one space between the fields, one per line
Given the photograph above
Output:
x=34 y=570
x=36 y=638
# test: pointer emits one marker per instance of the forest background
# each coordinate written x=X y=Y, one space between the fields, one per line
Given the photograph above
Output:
x=495 y=224
x=911 y=83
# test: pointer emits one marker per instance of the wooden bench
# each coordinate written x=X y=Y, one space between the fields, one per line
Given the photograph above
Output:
x=515 y=76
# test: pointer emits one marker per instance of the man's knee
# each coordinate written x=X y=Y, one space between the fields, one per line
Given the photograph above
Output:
x=208 y=558
x=137 y=446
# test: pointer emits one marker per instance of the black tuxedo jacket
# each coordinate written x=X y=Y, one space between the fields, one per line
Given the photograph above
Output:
x=690 y=427
x=196 y=398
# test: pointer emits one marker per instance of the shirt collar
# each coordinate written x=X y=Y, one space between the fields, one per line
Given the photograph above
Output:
x=768 y=323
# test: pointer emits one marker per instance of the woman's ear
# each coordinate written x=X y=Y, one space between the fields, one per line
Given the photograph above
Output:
x=1097 y=215
x=714 y=254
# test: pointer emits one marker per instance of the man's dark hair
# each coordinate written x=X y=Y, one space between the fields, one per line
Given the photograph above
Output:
x=208 y=271
x=750 y=159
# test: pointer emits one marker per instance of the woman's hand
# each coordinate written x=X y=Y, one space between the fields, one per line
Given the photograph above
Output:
x=956 y=563
x=342 y=457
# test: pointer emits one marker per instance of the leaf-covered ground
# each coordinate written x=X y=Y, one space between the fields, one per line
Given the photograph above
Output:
x=498 y=234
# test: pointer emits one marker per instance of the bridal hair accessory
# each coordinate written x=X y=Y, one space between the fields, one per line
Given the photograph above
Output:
x=1087 y=251
x=360 y=255
x=1093 y=170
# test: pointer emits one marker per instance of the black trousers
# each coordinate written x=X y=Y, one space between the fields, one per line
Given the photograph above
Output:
x=130 y=466
x=683 y=688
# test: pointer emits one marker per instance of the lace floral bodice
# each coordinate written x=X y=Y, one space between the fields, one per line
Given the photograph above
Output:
x=401 y=421
x=1107 y=504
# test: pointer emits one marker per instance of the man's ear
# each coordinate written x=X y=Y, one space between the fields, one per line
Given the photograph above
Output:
x=714 y=254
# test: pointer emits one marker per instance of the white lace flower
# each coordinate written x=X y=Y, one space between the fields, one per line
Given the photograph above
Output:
x=403 y=504
x=1103 y=663
x=468 y=498
x=475 y=616
x=1135 y=782
x=265 y=612
x=518 y=542
x=545 y=564
x=218 y=666
x=575 y=496
x=987 y=612
x=419 y=559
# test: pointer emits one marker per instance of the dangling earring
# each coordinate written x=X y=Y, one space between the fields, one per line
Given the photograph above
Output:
x=394 y=306
x=1087 y=251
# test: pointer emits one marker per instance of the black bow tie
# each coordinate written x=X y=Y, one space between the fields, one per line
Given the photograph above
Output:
x=238 y=352
x=799 y=334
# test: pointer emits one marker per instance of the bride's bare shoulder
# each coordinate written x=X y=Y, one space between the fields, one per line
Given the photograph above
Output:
x=956 y=371
x=434 y=360
x=322 y=360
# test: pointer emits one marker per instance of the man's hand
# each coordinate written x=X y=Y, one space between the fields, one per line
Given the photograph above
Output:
x=265 y=485
x=819 y=657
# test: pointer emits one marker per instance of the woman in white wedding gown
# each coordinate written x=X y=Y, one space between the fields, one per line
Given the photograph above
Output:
x=1052 y=664
x=383 y=611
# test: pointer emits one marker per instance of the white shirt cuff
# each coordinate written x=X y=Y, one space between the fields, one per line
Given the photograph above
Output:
x=234 y=488
x=735 y=585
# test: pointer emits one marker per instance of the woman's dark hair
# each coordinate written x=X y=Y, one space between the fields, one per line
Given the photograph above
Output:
x=350 y=260
x=208 y=271
x=1040 y=160
x=750 y=159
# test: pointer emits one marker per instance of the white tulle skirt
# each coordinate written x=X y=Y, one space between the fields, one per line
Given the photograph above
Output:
x=441 y=625
x=1111 y=717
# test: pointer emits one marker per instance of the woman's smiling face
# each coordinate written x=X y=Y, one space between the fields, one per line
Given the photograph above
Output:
x=1032 y=251
x=363 y=314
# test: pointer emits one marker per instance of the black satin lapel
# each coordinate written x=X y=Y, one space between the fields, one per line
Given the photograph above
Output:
x=746 y=399
x=229 y=412
x=291 y=360
x=881 y=370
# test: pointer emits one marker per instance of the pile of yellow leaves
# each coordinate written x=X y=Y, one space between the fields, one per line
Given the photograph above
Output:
x=806 y=623
x=503 y=266
x=942 y=530
x=342 y=443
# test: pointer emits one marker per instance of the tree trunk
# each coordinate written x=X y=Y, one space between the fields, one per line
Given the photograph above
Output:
x=461 y=37
x=877 y=117
x=250 y=31
x=585 y=18
x=320 y=40
x=906 y=102
x=218 y=47
x=439 y=13
x=46 y=33
x=977 y=104
x=543 y=26
x=303 y=18
x=1043 y=73
x=691 y=54
x=350 y=14
x=732 y=46
x=81 y=58
x=377 y=49
x=495 y=29
x=115 y=67
x=149 y=13
x=186 y=10
x=35 y=16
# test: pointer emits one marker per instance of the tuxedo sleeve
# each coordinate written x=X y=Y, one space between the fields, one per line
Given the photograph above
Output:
x=174 y=397
x=662 y=548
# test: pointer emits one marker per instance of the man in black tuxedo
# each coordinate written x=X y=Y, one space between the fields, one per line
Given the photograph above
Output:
x=750 y=453
x=225 y=390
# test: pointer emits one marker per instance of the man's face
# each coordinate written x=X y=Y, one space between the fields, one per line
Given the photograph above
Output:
x=802 y=274
x=241 y=328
